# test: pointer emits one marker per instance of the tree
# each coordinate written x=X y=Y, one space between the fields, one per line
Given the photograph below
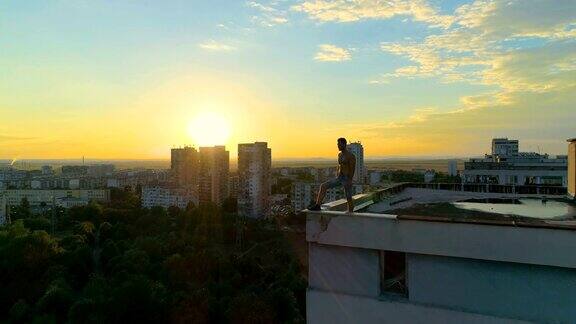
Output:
x=21 y=211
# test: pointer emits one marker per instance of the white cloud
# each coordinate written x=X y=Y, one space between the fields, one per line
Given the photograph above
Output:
x=474 y=50
x=355 y=10
x=215 y=46
x=269 y=16
x=332 y=53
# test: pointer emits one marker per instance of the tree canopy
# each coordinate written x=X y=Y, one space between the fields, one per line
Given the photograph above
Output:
x=120 y=263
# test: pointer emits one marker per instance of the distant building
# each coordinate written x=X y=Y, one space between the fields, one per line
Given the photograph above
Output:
x=74 y=184
x=70 y=202
x=374 y=177
x=233 y=183
x=40 y=198
x=47 y=170
x=254 y=166
x=74 y=170
x=184 y=165
x=3 y=209
x=506 y=166
x=100 y=170
x=357 y=149
x=504 y=147
x=452 y=168
x=572 y=167
x=305 y=192
x=429 y=176
x=113 y=183
x=167 y=197
x=214 y=173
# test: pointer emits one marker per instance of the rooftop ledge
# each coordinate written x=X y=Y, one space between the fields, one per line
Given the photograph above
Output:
x=529 y=242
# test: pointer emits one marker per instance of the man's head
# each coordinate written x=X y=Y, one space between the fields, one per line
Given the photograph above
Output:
x=342 y=144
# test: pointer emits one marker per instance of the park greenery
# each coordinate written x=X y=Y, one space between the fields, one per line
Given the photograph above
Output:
x=119 y=263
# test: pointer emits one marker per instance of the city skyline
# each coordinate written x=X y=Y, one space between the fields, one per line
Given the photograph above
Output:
x=406 y=78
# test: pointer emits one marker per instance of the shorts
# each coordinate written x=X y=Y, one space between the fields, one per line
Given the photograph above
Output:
x=341 y=180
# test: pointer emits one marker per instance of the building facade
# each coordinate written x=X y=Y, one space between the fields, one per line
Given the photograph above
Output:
x=3 y=208
x=167 y=197
x=452 y=168
x=40 y=198
x=357 y=149
x=184 y=166
x=509 y=167
x=305 y=192
x=572 y=167
x=254 y=175
x=504 y=147
x=214 y=174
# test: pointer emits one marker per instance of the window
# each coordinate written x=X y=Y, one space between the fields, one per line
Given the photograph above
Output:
x=393 y=273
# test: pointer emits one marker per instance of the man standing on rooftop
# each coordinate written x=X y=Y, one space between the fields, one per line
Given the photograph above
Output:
x=346 y=169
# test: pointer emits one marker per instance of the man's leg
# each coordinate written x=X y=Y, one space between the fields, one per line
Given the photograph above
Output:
x=348 y=192
x=321 y=193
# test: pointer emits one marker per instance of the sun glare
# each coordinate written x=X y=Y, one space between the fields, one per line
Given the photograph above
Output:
x=208 y=129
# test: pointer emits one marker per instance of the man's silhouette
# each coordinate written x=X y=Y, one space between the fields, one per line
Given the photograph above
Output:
x=346 y=168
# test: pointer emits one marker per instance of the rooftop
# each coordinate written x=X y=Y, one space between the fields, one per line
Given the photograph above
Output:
x=534 y=206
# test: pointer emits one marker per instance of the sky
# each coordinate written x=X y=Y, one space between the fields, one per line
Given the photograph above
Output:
x=133 y=78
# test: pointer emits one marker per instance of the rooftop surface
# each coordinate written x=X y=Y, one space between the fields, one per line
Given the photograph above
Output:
x=440 y=205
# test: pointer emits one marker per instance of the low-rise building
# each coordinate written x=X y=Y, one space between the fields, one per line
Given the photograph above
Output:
x=39 y=199
x=305 y=192
x=429 y=176
x=375 y=177
x=167 y=197
x=507 y=166
x=100 y=170
x=3 y=208
x=48 y=197
x=70 y=202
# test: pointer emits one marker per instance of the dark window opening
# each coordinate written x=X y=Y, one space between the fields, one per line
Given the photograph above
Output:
x=393 y=273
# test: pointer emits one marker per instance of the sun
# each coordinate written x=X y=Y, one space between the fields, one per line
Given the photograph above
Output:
x=209 y=129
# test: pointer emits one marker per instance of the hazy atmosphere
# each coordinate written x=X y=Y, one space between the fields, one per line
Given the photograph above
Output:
x=130 y=79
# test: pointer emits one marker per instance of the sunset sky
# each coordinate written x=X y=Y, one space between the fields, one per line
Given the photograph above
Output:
x=132 y=78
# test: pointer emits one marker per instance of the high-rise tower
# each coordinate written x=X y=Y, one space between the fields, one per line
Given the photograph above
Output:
x=357 y=149
x=214 y=173
x=184 y=165
x=254 y=166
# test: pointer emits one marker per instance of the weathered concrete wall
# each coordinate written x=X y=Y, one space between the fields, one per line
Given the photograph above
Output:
x=513 y=290
x=542 y=246
x=344 y=270
x=325 y=307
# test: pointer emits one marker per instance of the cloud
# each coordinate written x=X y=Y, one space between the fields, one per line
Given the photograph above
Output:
x=269 y=16
x=332 y=53
x=356 y=10
x=215 y=46
x=478 y=48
